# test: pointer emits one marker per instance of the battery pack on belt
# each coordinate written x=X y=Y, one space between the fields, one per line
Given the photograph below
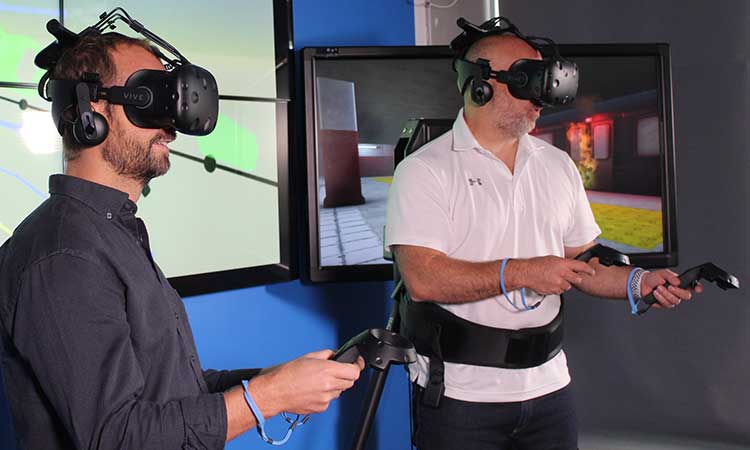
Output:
x=460 y=341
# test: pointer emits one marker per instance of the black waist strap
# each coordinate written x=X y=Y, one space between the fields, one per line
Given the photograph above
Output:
x=433 y=329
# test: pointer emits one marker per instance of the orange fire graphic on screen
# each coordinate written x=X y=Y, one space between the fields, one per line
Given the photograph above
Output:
x=579 y=137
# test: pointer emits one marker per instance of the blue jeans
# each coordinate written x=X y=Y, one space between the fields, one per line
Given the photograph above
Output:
x=543 y=423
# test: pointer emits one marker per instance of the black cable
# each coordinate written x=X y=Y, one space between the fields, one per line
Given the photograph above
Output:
x=23 y=104
x=208 y=160
x=412 y=446
x=107 y=21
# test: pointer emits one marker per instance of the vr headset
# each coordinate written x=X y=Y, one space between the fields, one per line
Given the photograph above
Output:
x=184 y=97
x=551 y=81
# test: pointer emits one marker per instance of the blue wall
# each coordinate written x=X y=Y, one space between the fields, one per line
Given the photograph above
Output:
x=266 y=325
x=353 y=22
x=271 y=324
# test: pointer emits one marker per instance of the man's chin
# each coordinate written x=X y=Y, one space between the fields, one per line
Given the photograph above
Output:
x=154 y=171
x=162 y=169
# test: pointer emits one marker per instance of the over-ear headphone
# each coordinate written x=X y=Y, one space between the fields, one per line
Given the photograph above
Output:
x=471 y=75
x=90 y=128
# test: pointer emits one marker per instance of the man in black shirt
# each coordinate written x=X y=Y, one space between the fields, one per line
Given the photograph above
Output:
x=97 y=349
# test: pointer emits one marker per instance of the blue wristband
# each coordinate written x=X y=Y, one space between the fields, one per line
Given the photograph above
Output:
x=505 y=292
x=633 y=308
x=262 y=421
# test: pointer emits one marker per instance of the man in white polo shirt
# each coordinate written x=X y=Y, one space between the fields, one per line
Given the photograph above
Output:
x=487 y=198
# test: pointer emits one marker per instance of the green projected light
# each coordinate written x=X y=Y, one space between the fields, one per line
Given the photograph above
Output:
x=15 y=47
x=231 y=144
x=22 y=35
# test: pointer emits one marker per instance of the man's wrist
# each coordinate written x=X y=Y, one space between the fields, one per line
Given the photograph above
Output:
x=637 y=284
x=514 y=274
x=259 y=388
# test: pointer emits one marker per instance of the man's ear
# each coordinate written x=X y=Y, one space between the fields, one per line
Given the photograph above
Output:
x=102 y=107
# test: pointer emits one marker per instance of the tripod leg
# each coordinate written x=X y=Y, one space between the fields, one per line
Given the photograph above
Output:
x=377 y=382
x=374 y=391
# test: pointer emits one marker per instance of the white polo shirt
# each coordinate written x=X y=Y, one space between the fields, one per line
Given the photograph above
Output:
x=456 y=197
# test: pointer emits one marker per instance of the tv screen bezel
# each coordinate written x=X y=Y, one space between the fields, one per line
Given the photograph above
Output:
x=312 y=271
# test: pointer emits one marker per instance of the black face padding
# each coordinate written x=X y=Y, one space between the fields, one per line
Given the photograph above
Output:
x=551 y=81
x=184 y=99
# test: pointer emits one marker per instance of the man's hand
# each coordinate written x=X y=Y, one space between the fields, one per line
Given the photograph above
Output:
x=305 y=385
x=667 y=297
x=550 y=275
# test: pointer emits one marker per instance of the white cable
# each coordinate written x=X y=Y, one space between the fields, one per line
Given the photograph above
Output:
x=450 y=5
x=435 y=5
x=428 y=20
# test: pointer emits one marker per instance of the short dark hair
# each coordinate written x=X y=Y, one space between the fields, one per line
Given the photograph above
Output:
x=91 y=54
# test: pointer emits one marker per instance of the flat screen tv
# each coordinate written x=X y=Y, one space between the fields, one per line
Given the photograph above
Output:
x=363 y=106
x=220 y=218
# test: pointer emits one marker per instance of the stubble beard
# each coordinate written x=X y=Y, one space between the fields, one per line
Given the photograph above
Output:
x=133 y=159
x=515 y=123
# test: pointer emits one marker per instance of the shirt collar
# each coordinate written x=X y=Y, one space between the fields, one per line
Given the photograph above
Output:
x=100 y=198
x=463 y=139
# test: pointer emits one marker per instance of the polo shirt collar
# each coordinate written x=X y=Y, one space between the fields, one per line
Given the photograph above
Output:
x=463 y=139
x=100 y=198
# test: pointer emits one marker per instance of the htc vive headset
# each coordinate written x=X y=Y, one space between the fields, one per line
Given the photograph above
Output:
x=551 y=81
x=184 y=97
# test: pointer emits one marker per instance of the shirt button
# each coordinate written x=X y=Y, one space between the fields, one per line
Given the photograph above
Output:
x=109 y=215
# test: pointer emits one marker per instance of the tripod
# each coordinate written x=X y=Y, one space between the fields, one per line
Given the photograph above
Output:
x=381 y=369
x=414 y=134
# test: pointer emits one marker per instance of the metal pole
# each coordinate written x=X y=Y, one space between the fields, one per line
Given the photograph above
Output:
x=377 y=382
x=374 y=391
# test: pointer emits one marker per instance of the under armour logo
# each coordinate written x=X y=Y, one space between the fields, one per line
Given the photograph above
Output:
x=473 y=181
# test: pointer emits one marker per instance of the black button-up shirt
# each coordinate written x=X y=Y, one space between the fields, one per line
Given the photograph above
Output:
x=97 y=349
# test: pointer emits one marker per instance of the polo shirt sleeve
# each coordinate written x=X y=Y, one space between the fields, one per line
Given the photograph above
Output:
x=417 y=212
x=582 y=228
x=71 y=328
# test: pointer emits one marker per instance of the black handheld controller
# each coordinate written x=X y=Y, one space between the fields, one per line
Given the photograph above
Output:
x=607 y=256
x=691 y=277
x=379 y=348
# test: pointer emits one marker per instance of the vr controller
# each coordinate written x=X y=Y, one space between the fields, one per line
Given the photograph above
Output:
x=688 y=279
x=691 y=277
x=607 y=256
x=378 y=347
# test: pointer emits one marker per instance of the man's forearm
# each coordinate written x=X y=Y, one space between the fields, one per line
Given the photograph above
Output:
x=447 y=280
x=607 y=282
